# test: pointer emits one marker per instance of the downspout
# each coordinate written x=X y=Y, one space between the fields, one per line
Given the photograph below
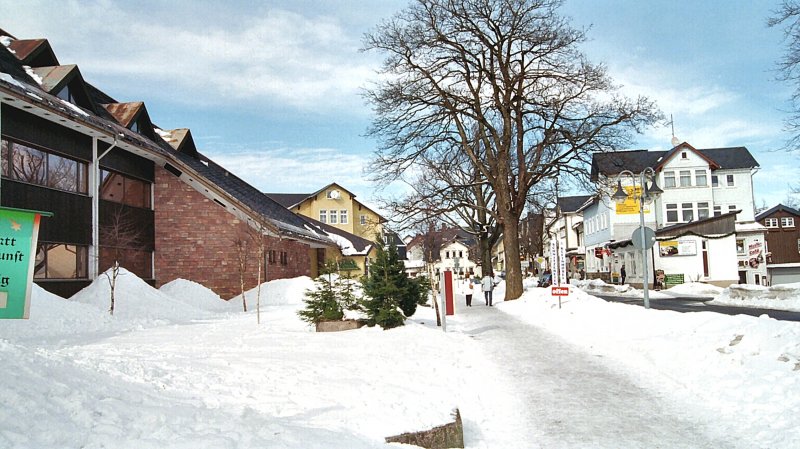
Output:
x=95 y=189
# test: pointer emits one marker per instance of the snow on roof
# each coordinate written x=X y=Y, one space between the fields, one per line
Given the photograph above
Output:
x=750 y=226
x=346 y=246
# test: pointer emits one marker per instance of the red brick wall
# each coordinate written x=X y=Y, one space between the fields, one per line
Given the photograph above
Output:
x=195 y=240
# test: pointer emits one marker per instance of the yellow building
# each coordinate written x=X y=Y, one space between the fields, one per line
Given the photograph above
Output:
x=351 y=224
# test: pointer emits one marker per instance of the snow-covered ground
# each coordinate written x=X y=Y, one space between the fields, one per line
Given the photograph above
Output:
x=180 y=368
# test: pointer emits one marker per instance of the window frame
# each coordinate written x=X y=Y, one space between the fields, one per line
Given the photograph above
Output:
x=698 y=175
x=45 y=175
x=343 y=217
x=145 y=195
x=672 y=209
x=714 y=180
x=685 y=178
x=703 y=206
x=730 y=180
x=42 y=268
x=687 y=208
x=787 y=222
x=669 y=180
x=323 y=216
x=771 y=222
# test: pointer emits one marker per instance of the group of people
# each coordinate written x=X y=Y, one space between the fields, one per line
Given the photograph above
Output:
x=486 y=285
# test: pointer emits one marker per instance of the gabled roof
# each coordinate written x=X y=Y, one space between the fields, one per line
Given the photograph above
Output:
x=680 y=148
x=290 y=200
x=569 y=204
x=778 y=208
x=55 y=77
x=358 y=246
x=127 y=114
x=611 y=164
x=34 y=52
x=179 y=139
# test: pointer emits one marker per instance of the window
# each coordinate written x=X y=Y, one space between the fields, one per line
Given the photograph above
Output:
x=672 y=213
x=787 y=222
x=363 y=220
x=323 y=215
x=730 y=180
x=61 y=261
x=272 y=257
x=447 y=254
x=700 y=178
x=739 y=246
x=284 y=258
x=731 y=208
x=683 y=155
x=771 y=222
x=687 y=212
x=35 y=166
x=669 y=179
x=798 y=245
x=717 y=211
x=714 y=181
x=702 y=211
x=66 y=95
x=334 y=217
x=343 y=216
x=123 y=189
x=686 y=178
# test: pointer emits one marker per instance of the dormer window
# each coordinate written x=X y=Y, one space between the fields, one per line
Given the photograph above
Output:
x=683 y=155
x=66 y=95
x=135 y=127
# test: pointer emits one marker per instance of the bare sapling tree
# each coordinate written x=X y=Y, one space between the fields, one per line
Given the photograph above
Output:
x=506 y=82
x=118 y=233
x=241 y=246
x=258 y=235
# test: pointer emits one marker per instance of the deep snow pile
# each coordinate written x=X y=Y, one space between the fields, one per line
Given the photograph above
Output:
x=782 y=296
x=176 y=368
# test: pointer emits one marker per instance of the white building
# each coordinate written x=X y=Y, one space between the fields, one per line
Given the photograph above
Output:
x=702 y=191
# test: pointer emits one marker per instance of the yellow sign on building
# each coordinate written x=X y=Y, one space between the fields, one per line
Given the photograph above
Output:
x=631 y=203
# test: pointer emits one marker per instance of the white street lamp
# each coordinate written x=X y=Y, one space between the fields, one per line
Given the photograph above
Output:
x=649 y=193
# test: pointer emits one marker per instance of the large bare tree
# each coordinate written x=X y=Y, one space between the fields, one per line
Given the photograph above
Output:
x=505 y=82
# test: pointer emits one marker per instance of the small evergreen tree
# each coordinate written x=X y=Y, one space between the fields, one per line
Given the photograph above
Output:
x=390 y=296
x=322 y=303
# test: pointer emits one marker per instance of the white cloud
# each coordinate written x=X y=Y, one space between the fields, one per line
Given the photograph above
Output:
x=296 y=170
x=256 y=55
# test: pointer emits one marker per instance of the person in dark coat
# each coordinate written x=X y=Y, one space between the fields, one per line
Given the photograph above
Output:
x=622 y=274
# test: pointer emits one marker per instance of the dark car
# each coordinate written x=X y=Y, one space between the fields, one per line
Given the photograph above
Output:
x=545 y=280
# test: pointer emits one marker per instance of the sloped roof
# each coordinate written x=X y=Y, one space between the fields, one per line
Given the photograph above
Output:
x=55 y=77
x=124 y=113
x=19 y=87
x=360 y=245
x=778 y=208
x=288 y=200
x=34 y=52
x=572 y=203
x=610 y=164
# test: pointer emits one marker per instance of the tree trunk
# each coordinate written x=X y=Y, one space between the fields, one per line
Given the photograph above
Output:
x=486 y=256
x=513 y=268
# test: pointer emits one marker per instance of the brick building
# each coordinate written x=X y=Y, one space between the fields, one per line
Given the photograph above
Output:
x=123 y=189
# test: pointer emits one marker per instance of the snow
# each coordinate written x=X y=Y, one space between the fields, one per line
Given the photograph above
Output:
x=345 y=245
x=8 y=79
x=6 y=41
x=33 y=74
x=178 y=367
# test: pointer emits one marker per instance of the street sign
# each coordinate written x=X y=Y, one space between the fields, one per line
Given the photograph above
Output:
x=559 y=291
x=19 y=232
x=649 y=237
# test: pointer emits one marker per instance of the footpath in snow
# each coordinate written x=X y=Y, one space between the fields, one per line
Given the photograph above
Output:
x=569 y=398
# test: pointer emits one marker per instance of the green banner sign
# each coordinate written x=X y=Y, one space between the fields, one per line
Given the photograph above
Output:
x=19 y=231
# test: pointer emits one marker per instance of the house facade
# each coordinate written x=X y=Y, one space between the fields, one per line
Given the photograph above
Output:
x=120 y=188
x=698 y=186
x=447 y=249
x=783 y=243
x=335 y=206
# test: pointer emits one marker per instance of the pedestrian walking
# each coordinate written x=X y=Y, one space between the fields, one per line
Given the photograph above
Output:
x=488 y=286
x=622 y=274
x=468 y=290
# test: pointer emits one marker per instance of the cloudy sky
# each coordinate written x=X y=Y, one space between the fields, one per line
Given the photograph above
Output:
x=271 y=89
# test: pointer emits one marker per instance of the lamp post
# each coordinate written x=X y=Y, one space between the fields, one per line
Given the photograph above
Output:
x=648 y=193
